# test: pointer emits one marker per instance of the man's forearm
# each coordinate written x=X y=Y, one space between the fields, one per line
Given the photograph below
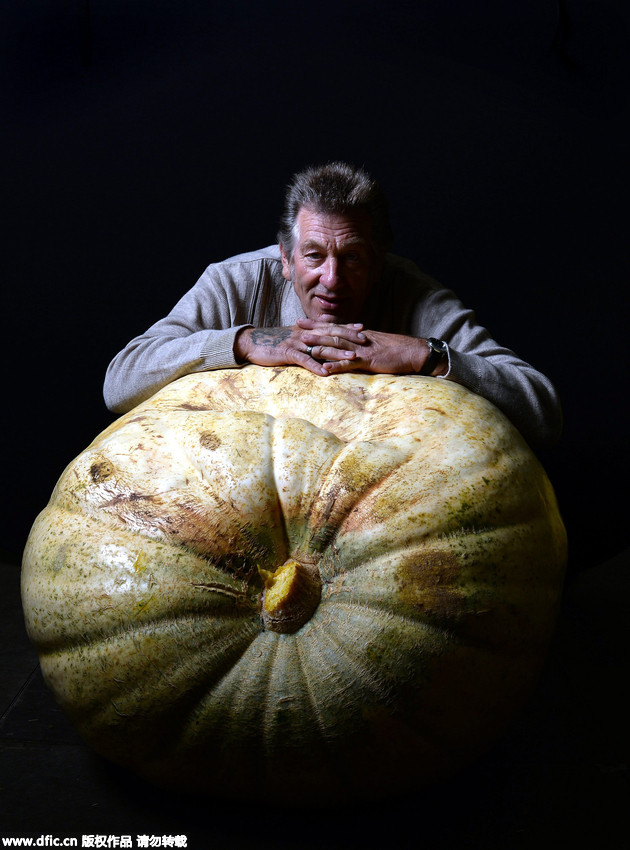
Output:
x=148 y=363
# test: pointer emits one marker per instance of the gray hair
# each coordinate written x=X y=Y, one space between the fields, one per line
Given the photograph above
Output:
x=335 y=188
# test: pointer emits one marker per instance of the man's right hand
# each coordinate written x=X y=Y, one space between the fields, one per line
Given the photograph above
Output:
x=286 y=346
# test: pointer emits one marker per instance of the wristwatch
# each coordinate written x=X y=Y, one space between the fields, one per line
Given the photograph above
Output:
x=437 y=350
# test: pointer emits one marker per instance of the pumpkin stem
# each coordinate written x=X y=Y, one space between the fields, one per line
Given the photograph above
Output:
x=290 y=595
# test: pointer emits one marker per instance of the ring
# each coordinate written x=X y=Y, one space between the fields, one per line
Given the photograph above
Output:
x=309 y=350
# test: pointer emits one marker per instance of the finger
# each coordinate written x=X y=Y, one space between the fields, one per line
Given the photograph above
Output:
x=337 y=336
x=336 y=367
x=311 y=324
x=315 y=367
x=320 y=343
x=352 y=332
x=306 y=360
x=327 y=352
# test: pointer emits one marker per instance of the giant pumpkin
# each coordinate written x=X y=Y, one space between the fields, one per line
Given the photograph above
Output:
x=264 y=582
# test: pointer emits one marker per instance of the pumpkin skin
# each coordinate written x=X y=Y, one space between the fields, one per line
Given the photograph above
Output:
x=262 y=582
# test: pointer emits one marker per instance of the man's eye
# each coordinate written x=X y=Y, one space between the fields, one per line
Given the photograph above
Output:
x=313 y=255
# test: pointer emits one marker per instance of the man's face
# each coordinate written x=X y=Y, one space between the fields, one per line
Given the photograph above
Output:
x=333 y=266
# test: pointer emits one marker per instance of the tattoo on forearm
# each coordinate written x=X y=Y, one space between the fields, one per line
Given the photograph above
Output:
x=270 y=337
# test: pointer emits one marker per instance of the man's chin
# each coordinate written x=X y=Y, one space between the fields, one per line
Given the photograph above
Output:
x=335 y=317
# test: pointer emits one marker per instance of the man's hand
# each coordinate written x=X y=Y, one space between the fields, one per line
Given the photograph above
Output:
x=373 y=351
x=288 y=346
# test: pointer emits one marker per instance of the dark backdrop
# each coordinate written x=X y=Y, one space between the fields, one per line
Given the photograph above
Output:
x=143 y=140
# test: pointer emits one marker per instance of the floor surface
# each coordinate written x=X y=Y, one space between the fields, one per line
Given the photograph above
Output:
x=560 y=774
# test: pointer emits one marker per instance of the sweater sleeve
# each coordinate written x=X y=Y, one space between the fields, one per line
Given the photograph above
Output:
x=476 y=361
x=197 y=334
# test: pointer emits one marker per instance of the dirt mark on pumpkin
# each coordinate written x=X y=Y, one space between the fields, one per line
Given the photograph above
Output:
x=127 y=498
x=101 y=470
x=430 y=585
x=240 y=597
x=186 y=405
x=210 y=441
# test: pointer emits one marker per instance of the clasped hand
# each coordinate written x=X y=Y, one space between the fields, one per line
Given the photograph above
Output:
x=326 y=348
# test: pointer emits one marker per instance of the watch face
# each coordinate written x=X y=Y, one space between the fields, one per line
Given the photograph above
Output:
x=437 y=345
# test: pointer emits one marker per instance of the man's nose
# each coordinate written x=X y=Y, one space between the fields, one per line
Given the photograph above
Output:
x=330 y=273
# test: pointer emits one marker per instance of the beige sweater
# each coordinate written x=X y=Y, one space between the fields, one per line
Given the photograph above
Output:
x=249 y=290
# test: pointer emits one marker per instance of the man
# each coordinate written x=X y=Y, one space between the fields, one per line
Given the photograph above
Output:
x=332 y=299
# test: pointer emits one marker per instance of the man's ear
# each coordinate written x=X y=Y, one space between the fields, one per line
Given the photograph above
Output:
x=286 y=265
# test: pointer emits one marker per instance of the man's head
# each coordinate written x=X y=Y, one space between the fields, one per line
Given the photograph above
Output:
x=334 y=234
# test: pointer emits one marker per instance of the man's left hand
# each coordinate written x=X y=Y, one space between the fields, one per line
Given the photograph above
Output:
x=385 y=353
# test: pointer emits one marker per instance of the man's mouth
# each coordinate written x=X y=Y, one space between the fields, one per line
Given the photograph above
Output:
x=328 y=304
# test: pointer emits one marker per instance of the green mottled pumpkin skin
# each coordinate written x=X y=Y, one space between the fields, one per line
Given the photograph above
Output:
x=438 y=546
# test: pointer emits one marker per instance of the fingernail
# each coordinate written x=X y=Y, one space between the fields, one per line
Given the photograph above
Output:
x=361 y=336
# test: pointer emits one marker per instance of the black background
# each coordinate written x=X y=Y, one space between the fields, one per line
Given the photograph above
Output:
x=143 y=140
